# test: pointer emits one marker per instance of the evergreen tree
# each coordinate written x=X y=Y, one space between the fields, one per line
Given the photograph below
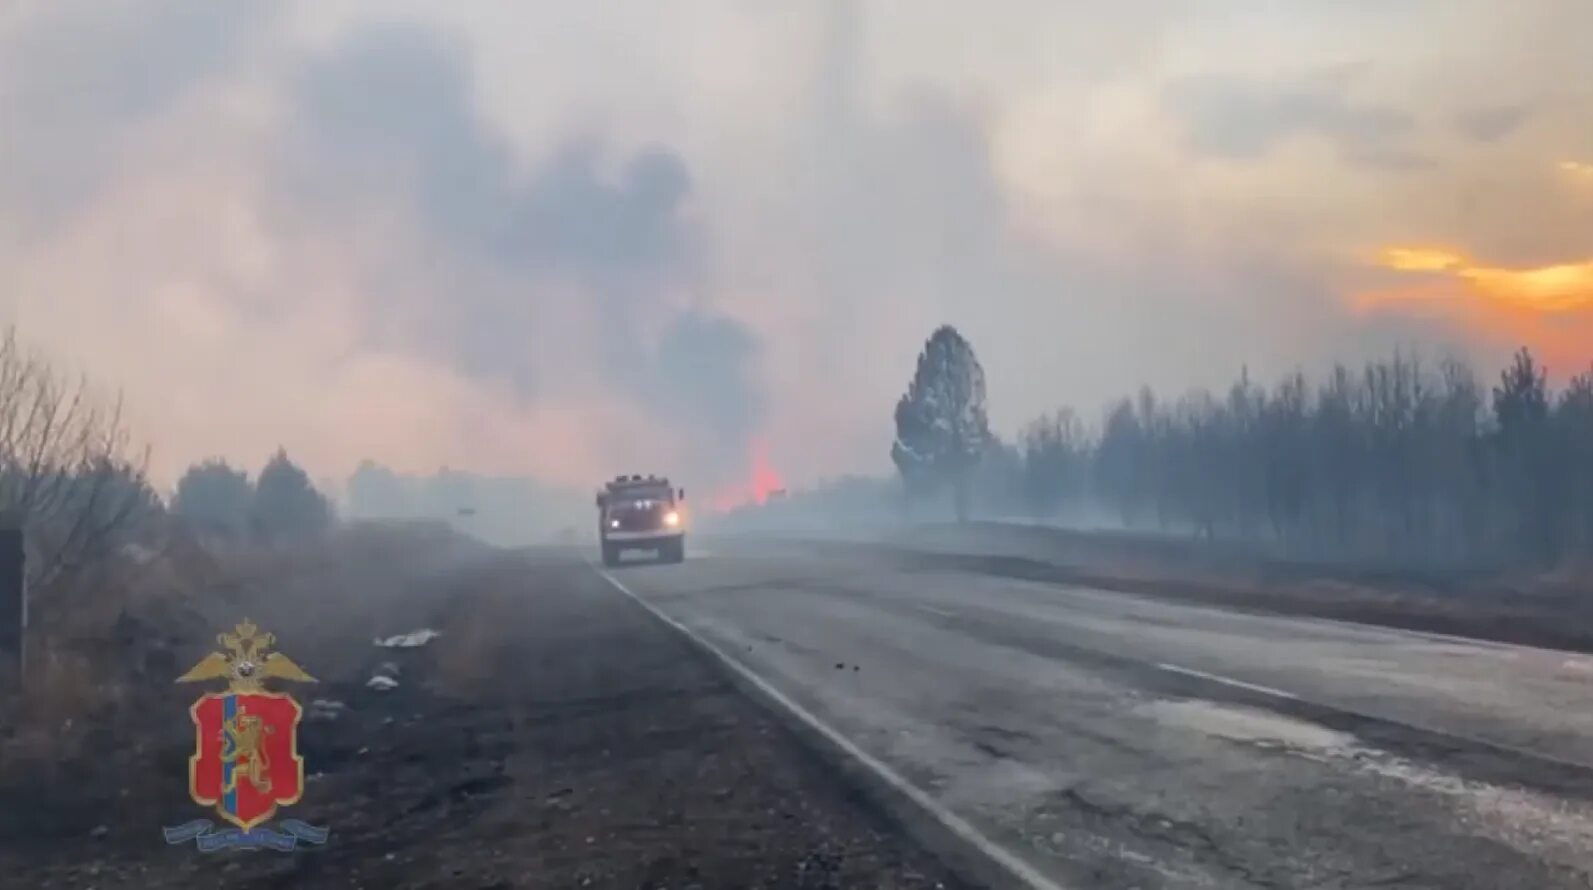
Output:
x=286 y=506
x=214 y=498
x=942 y=429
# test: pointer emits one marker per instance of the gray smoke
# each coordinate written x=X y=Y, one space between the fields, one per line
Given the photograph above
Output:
x=390 y=109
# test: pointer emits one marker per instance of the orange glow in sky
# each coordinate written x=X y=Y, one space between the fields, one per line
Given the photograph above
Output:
x=1561 y=287
x=1420 y=259
x=1547 y=308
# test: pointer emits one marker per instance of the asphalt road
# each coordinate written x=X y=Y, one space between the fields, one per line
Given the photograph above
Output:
x=1105 y=740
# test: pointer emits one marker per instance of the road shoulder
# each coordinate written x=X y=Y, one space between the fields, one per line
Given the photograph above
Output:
x=554 y=735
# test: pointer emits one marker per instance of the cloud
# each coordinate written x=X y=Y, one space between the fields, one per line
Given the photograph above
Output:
x=1560 y=287
x=1245 y=120
x=1491 y=123
x=1421 y=259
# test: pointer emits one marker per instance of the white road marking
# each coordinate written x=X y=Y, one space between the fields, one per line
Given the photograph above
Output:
x=934 y=611
x=954 y=823
x=1228 y=681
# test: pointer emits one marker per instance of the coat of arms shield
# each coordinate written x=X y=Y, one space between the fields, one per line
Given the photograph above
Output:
x=246 y=761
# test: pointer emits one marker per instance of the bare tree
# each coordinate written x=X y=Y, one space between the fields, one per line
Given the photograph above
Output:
x=1522 y=407
x=1573 y=418
x=1402 y=461
x=1055 y=453
x=67 y=472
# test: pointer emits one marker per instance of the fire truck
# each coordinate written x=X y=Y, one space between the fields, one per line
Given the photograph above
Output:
x=641 y=513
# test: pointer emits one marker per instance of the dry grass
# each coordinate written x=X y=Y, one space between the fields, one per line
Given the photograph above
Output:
x=63 y=693
x=1551 y=608
x=103 y=653
x=93 y=649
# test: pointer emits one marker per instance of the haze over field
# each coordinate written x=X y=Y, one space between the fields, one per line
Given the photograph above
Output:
x=564 y=240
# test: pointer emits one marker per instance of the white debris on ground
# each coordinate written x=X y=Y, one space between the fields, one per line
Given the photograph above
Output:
x=410 y=640
x=385 y=677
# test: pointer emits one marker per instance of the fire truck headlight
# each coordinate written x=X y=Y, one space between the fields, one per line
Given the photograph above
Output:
x=613 y=523
x=672 y=518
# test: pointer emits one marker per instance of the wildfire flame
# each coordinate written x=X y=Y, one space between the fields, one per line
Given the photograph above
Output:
x=762 y=480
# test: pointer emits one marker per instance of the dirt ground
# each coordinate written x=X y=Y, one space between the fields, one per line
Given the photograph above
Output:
x=553 y=735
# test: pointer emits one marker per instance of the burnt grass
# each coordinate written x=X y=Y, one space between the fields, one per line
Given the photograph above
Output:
x=554 y=735
x=1502 y=605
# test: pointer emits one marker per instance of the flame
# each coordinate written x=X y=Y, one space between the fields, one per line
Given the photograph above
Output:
x=762 y=480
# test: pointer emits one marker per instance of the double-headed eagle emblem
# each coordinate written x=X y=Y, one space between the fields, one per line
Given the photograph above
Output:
x=248 y=662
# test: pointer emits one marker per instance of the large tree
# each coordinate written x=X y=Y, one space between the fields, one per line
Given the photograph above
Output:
x=942 y=429
x=215 y=499
x=68 y=475
x=286 y=504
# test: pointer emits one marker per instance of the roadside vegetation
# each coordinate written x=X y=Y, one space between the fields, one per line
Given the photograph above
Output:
x=120 y=578
x=281 y=506
x=1401 y=462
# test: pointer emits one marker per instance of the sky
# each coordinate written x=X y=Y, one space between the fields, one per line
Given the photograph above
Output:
x=707 y=238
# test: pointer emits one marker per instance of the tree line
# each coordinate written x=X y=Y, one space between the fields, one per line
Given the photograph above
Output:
x=72 y=480
x=1401 y=460
x=280 y=506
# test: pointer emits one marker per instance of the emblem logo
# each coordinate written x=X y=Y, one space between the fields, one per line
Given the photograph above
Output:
x=246 y=761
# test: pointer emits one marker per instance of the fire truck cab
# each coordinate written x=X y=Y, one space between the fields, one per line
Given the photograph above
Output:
x=641 y=513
